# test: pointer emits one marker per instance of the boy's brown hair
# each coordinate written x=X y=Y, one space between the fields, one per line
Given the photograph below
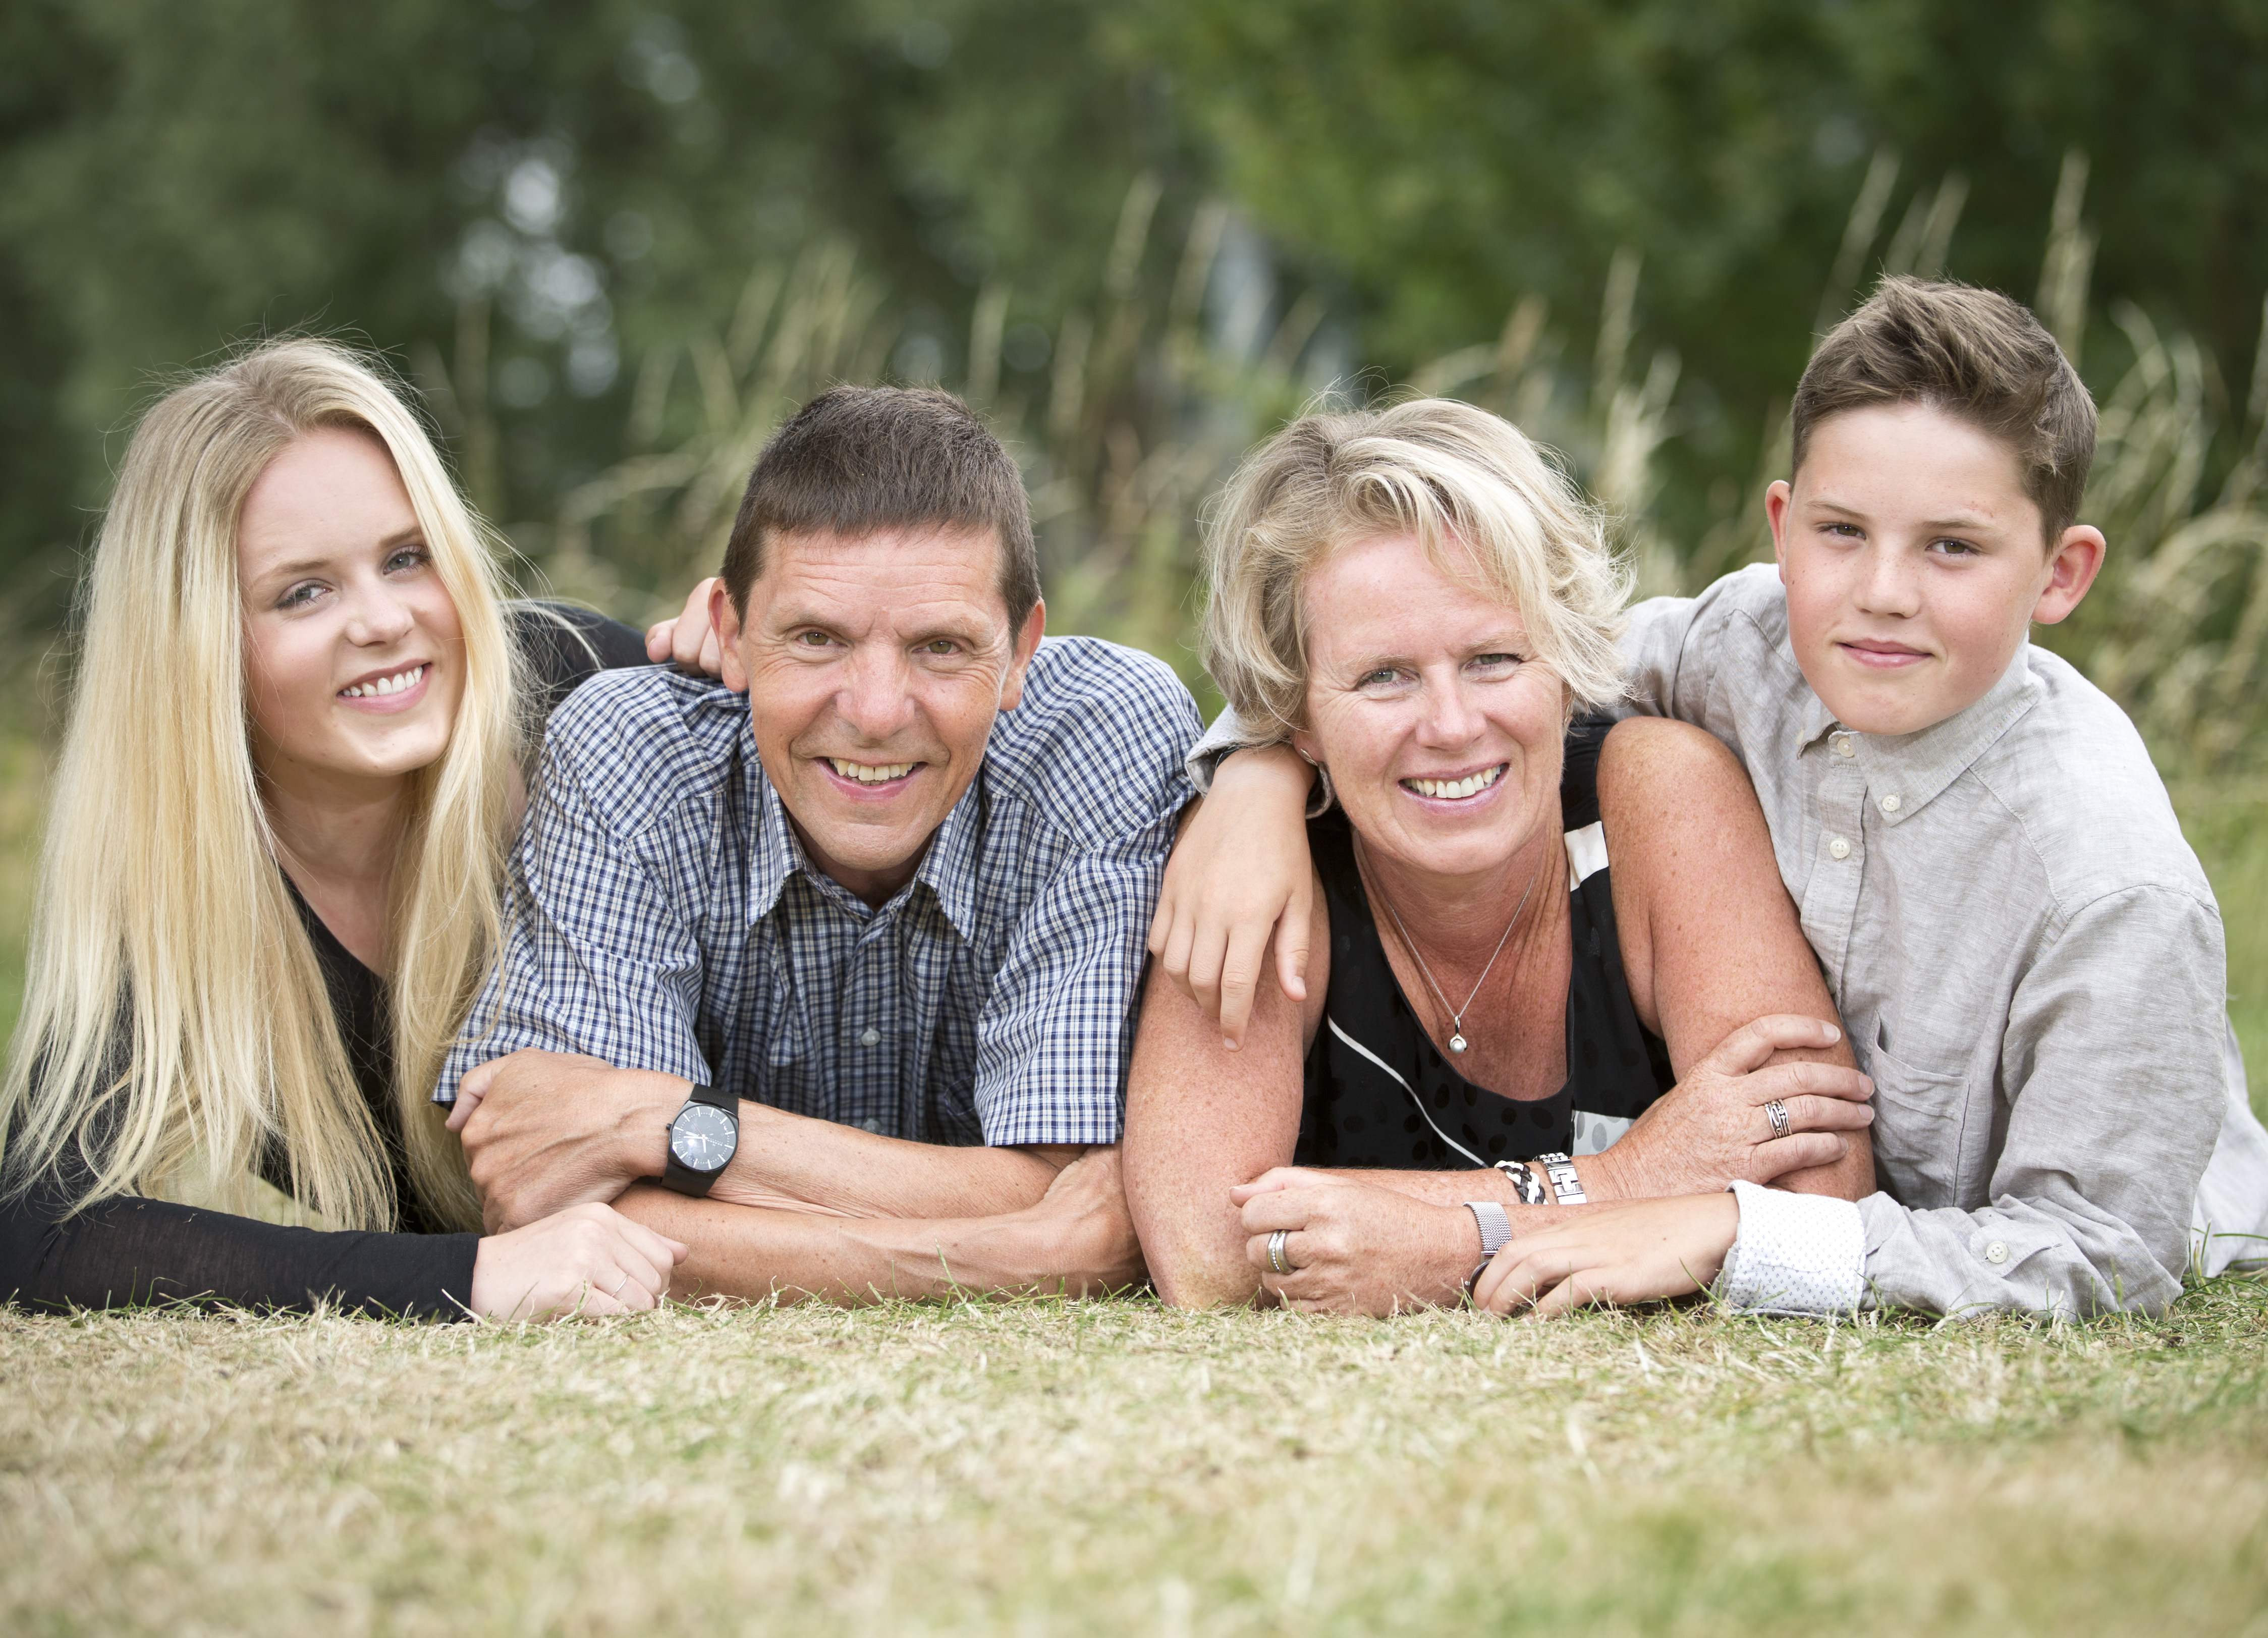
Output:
x=1974 y=354
x=858 y=460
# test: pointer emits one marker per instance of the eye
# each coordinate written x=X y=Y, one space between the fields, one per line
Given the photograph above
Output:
x=940 y=647
x=405 y=558
x=301 y=595
x=1494 y=662
x=1951 y=547
x=1844 y=531
x=813 y=639
x=1385 y=676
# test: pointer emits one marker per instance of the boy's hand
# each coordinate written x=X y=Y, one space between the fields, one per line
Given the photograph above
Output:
x=1239 y=876
x=1630 y=1253
x=689 y=639
x=1713 y=1128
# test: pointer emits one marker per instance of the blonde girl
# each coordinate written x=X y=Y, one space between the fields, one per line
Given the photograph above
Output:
x=267 y=894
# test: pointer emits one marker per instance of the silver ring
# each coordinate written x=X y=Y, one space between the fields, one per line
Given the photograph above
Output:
x=1276 y=1260
x=1775 y=1112
x=619 y=1284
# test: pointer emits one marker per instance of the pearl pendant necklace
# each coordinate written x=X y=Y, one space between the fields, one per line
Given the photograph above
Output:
x=1457 y=1041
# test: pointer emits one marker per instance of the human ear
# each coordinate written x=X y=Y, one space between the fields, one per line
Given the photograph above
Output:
x=2072 y=568
x=1028 y=643
x=724 y=620
x=1778 y=497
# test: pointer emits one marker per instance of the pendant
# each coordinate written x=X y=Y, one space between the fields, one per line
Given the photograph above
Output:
x=1457 y=1043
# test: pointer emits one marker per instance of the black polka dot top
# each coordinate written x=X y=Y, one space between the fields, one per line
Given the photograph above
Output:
x=1380 y=1094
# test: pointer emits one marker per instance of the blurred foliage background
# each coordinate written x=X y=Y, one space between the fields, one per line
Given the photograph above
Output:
x=612 y=240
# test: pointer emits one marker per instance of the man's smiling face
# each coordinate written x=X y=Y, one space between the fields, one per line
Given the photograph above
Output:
x=1915 y=564
x=874 y=666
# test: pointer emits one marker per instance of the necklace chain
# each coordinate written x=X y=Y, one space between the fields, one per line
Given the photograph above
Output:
x=1457 y=1041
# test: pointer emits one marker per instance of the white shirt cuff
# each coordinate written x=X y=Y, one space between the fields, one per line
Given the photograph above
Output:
x=1795 y=1254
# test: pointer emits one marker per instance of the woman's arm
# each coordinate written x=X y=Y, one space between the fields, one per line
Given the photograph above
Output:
x=1711 y=943
x=1201 y=1119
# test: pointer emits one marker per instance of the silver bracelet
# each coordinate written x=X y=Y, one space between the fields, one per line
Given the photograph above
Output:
x=1525 y=1184
x=1566 y=1181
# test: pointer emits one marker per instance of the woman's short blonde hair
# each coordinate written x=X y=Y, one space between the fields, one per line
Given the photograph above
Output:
x=1451 y=474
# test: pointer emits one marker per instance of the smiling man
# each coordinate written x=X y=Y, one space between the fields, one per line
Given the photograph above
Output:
x=829 y=970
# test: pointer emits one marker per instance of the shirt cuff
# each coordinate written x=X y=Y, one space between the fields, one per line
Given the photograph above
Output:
x=1795 y=1254
x=1227 y=735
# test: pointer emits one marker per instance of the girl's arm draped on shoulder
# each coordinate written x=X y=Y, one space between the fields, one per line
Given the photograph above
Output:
x=1711 y=946
x=1238 y=878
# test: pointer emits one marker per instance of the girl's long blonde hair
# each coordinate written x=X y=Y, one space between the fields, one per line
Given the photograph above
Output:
x=175 y=1007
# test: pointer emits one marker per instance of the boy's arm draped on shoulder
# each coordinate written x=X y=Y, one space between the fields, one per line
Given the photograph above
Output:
x=2113 y=1080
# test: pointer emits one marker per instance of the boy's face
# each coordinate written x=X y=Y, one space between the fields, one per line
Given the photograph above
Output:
x=1914 y=565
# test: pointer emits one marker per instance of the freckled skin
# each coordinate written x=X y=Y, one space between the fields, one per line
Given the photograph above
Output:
x=1915 y=564
x=336 y=588
x=879 y=649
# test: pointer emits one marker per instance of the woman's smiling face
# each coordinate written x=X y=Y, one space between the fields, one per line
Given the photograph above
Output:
x=353 y=656
x=1441 y=730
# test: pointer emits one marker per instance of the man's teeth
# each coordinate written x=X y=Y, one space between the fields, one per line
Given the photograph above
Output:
x=396 y=684
x=867 y=773
x=1471 y=785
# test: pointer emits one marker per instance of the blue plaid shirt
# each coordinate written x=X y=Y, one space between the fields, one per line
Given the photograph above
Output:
x=660 y=914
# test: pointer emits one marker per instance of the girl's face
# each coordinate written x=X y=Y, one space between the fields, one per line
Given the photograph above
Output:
x=353 y=657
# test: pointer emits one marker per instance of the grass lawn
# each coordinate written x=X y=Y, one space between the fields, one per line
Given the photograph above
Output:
x=1051 y=1467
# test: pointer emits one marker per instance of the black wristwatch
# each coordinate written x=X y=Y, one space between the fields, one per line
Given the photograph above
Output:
x=701 y=1141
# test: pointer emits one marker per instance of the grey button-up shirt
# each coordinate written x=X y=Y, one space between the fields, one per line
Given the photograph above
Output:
x=2023 y=947
x=660 y=914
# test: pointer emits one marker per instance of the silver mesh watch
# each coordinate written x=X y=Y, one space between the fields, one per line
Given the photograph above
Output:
x=1566 y=1181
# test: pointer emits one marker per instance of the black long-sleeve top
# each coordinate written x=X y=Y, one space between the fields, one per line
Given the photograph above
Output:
x=128 y=1250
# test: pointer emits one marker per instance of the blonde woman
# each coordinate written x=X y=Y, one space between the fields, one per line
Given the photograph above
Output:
x=1419 y=601
x=289 y=779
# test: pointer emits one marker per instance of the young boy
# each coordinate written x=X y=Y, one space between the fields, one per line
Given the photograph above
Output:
x=2025 y=951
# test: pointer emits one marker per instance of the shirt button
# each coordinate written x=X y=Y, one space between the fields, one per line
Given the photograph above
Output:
x=870 y=1036
x=1996 y=1253
x=1840 y=848
x=1843 y=746
x=1891 y=804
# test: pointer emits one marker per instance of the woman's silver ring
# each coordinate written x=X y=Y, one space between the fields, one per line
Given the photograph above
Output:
x=1775 y=1112
x=619 y=1284
x=1276 y=1260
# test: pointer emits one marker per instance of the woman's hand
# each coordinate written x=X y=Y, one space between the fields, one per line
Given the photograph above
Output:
x=1240 y=874
x=584 y=1262
x=1712 y=1127
x=1358 y=1249
x=689 y=639
x=1632 y=1253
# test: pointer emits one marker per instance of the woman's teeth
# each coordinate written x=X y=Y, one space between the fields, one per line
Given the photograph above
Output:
x=867 y=774
x=1452 y=790
x=400 y=681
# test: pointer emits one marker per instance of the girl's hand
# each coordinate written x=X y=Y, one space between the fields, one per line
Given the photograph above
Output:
x=689 y=639
x=1358 y=1249
x=1240 y=875
x=1632 y=1253
x=584 y=1262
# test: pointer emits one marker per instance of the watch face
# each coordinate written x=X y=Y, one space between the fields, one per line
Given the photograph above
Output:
x=704 y=1138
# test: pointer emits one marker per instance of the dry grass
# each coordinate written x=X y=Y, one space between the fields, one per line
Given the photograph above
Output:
x=1114 y=1467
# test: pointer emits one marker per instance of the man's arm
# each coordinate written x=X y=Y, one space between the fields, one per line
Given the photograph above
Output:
x=1075 y=1239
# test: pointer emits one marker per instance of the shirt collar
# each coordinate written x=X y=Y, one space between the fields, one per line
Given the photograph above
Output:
x=1908 y=771
x=948 y=869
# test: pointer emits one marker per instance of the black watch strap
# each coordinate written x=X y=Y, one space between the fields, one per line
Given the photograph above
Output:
x=677 y=1175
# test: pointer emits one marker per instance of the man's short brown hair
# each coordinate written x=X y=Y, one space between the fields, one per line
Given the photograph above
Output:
x=859 y=460
x=1974 y=354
